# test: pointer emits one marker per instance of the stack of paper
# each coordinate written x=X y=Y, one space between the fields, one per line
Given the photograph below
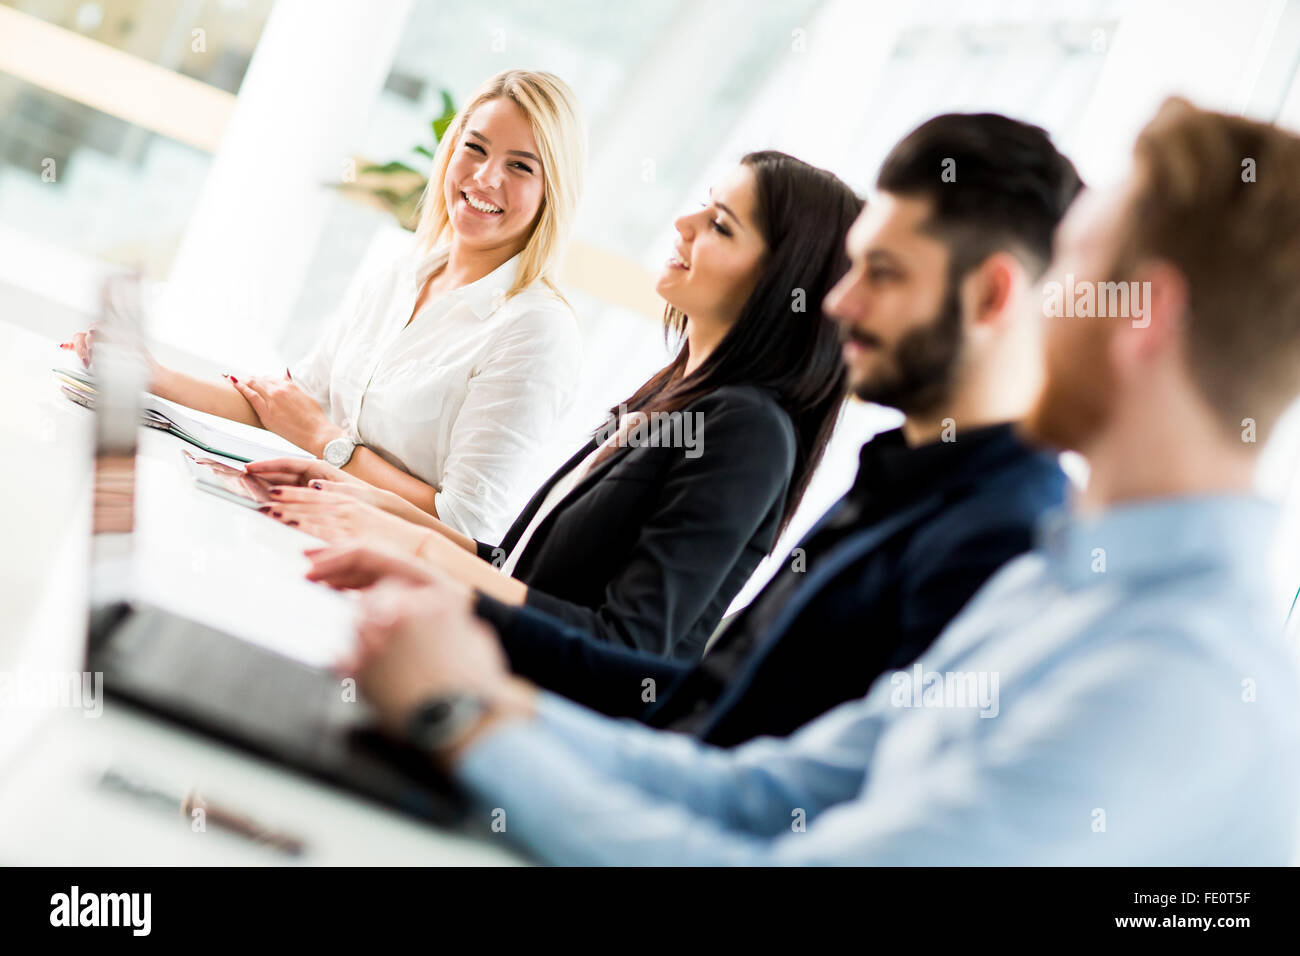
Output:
x=184 y=423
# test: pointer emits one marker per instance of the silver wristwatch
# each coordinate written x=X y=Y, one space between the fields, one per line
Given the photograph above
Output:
x=339 y=451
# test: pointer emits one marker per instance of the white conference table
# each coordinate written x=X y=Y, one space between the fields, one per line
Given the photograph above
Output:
x=196 y=554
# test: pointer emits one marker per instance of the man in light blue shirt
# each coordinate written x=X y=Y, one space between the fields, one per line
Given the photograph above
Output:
x=1121 y=695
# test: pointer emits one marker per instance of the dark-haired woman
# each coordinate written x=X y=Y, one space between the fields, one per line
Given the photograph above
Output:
x=647 y=533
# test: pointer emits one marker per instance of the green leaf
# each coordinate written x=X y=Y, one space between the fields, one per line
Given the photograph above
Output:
x=448 y=114
x=414 y=193
x=403 y=206
x=396 y=166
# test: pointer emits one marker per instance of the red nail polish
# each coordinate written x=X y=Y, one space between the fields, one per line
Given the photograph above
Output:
x=292 y=523
x=233 y=380
x=264 y=509
x=275 y=491
x=275 y=514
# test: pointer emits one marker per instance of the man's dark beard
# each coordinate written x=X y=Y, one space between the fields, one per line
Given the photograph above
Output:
x=920 y=379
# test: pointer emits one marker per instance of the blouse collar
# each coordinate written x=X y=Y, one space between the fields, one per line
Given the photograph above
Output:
x=483 y=296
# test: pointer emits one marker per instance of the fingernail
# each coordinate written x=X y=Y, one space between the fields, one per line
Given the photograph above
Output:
x=294 y=523
x=275 y=491
x=276 y=514
x=233 y=380
x=317 y=485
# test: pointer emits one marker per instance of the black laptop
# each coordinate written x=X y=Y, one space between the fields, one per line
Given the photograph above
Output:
x=244 y=694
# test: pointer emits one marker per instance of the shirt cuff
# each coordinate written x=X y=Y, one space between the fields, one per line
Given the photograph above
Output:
x=581 y=729
x=469 y=519
x=490 y=767
x=497 y=613
x=558 y=720
x=549 y=604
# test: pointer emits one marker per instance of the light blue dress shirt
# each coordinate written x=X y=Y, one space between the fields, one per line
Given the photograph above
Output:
x=1121 y=695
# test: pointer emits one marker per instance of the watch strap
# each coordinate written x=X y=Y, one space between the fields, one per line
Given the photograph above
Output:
x=442 y=721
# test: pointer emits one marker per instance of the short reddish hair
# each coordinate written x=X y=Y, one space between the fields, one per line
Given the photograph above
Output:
x=1218 y=197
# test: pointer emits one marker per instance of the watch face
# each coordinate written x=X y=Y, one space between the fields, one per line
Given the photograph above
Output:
x=338 y=451
x=437 y=712
x=444 y=719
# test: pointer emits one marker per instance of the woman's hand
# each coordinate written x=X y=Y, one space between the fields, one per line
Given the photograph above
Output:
x=288 y=411
x=83 y=344
x=354 y=567
x=304 y=472
x=340 y=518
x=322 y=476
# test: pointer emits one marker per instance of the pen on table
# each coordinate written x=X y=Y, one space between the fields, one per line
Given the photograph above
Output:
x=217 y=815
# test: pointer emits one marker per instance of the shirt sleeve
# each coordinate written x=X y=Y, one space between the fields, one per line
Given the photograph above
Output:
x=512 y=404
x=609 y=678
x=581 y=789
x=314 y=371
x=1063 y=777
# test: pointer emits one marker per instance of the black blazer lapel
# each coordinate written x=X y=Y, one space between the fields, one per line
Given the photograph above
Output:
x=521 y=522
x=591 y=477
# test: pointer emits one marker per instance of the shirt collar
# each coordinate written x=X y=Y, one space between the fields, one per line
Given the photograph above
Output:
x=483 y=296
x=888 y=466
x=1160 y=537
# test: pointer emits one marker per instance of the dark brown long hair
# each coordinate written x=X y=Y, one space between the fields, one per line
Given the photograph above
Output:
x=781 y=341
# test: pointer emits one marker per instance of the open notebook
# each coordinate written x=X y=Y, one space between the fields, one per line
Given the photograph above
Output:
x=187 y=424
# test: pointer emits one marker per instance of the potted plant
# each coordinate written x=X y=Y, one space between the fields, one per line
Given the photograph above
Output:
x=396 y=186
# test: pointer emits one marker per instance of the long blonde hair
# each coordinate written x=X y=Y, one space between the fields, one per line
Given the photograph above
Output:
x=552 y=112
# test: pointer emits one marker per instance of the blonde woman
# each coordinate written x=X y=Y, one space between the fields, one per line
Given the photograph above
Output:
x=458 y=359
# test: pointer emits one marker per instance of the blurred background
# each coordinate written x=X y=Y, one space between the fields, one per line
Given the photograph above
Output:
x=229 y=147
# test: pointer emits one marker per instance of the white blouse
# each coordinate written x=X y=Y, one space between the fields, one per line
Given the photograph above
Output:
x=463 y=396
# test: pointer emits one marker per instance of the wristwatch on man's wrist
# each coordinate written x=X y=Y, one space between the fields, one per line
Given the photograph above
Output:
x=444 y=720
x=339 y=451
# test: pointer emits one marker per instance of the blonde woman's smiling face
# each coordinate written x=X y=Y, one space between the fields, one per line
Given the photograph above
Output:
x=494 y=184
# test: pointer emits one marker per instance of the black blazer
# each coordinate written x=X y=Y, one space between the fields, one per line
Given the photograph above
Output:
x=648 y=550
